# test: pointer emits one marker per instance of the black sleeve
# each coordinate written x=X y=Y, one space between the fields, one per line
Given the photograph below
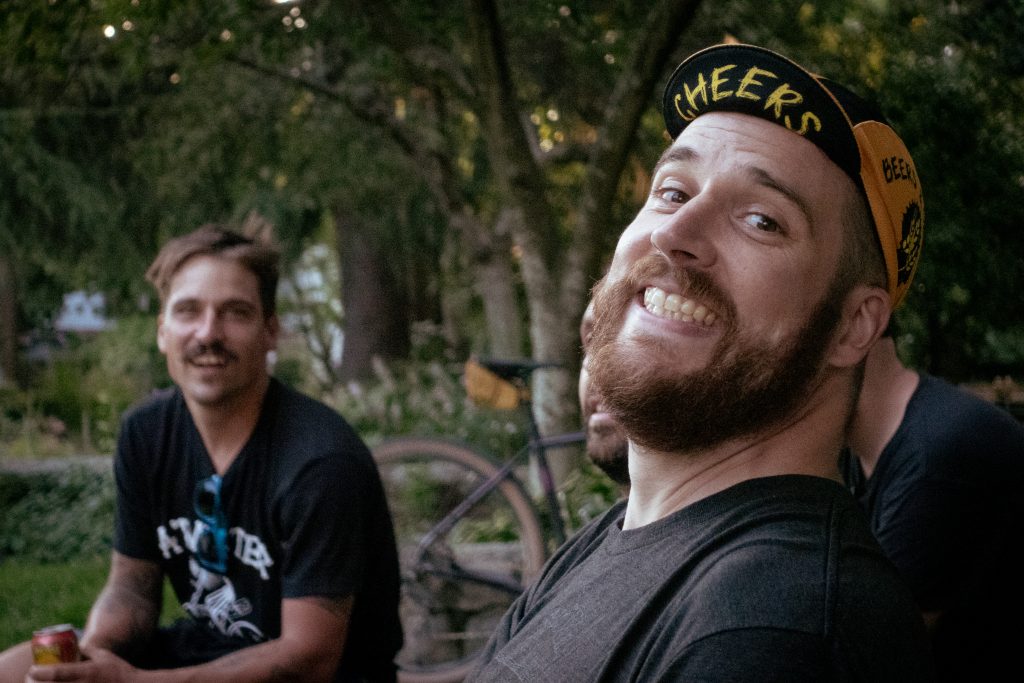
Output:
x=133 y=523
x=917 y=529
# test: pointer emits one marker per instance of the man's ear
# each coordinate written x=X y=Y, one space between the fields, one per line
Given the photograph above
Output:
x=866 y=313
x=161 y=343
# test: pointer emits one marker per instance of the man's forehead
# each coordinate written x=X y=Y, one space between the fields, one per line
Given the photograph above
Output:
x=204 y=276
x=716 y=130
x=768 y=154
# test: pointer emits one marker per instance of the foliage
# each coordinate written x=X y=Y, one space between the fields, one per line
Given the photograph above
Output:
x=189 y=111
x=75 y=401
x=56 y=516
x=309 y=303
x=425 y=396
x=587 y=493
x=25 y=434
x=63 y=115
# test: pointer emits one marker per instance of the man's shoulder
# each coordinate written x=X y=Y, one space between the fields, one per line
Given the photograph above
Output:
x=579 y=548
x=948 y=424
x=780 y=562
x=158 y=405
x=951 y=406
x=297 y=413
x=778 y=524
x=309 y=429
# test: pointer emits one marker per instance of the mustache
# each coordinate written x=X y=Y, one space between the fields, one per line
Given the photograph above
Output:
x=691 y=282
x=215 y=348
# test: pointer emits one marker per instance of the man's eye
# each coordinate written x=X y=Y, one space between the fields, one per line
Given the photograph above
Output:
x=672 y=195
x=241 y=313
x=185 y=310
x=763 y=223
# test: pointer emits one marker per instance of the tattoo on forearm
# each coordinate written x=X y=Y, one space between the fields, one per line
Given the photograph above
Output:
x=129 y=604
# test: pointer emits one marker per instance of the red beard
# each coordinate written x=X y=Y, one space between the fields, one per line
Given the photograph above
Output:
x=748 y=387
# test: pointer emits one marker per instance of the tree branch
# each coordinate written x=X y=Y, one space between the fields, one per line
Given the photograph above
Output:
x=509 y=148
x=627 y=103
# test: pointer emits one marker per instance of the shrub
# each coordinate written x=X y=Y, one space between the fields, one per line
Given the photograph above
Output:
x=56 y=516
x=75 y=401
x=425 y=398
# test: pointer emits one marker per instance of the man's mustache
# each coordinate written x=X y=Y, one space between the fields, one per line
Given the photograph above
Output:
x=692 y=283
x=214 y=348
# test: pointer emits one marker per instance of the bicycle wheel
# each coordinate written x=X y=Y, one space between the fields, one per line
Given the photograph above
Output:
x=451 y=599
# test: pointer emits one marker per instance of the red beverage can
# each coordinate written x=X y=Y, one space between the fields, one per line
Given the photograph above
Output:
x=55 y=645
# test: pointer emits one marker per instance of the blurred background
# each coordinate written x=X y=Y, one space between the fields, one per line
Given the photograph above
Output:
x=445 y=179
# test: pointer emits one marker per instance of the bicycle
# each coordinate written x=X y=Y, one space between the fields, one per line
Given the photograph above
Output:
x=469 y=538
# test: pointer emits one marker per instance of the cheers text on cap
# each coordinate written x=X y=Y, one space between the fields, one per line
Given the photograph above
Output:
x=851 y=131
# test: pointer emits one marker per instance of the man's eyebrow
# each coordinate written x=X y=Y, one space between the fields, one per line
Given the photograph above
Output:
x=238 y=302
x=182 y=300
x=676 y=154
x=683 y=154
x=226 y=303
x=766 y=179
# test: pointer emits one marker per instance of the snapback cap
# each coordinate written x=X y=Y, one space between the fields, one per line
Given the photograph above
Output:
x=851 y=131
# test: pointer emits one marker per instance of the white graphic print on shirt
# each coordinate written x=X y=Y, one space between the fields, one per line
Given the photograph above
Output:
x=215 y=598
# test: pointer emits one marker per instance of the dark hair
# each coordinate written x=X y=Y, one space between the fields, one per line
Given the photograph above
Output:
x=258 y=255
x=860 y=260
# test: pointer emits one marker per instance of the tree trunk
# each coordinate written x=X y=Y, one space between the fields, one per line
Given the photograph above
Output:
x=375 y=306
x=495 y=284
x=8 y=322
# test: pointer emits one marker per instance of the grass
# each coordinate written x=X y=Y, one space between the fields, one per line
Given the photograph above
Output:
x=33 y=595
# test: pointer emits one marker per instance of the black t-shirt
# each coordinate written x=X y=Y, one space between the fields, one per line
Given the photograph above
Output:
x=306 y=514
x=774 y=579
x=945 y=502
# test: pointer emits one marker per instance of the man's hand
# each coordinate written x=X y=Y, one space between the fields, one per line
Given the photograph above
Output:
x=99 y=665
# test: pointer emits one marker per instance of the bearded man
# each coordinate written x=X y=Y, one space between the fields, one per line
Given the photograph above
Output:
x=783 y=225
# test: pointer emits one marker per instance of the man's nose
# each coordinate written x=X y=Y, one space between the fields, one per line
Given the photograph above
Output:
x=686 y=236
x=209 y=326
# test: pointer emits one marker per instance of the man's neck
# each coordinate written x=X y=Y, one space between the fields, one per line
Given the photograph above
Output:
x=887 y=389
x=226 y=428
x=808 y=443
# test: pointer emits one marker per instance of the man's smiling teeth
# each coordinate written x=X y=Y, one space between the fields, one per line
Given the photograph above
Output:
x=676 y=307
x=208 y=360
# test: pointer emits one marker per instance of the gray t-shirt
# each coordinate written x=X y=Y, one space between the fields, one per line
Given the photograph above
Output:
x=774 y=579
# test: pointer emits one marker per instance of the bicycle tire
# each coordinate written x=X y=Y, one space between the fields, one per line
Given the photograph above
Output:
x=448 y=620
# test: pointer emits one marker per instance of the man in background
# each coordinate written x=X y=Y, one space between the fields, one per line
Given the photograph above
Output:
x=940 y=473
x=260 y=505
x=607 y=446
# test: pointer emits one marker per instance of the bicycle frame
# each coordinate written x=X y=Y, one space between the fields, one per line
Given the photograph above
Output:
x=537 y=446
